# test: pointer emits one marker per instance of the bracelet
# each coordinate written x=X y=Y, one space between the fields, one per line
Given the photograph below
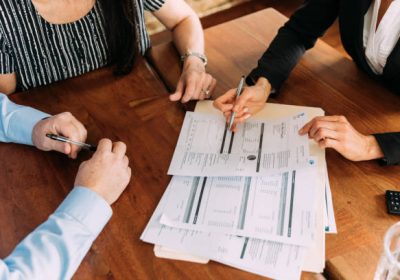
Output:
x=202 y=57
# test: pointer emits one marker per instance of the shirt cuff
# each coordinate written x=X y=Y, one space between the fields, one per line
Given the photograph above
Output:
x=253 y=77
x=87 y=207
x=21 y=123
x=389 y=144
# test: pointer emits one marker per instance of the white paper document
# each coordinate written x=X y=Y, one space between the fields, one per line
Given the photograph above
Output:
x=271 y=259
x=206 y=147
x=330 y=227
x=277 y=207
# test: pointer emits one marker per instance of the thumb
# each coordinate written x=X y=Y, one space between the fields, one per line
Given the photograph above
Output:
x=177 y=95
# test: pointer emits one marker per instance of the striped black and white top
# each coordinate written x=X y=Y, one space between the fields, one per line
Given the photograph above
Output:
x=41 y=53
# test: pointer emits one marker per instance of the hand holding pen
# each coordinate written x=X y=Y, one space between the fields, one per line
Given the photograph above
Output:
x=62 y=124
x=77 y=143
x=238 y=92
x=250 y=101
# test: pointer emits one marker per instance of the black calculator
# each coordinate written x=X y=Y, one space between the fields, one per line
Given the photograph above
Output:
x=393 y=202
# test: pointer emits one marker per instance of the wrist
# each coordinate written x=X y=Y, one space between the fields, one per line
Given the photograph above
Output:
x=97 y=191
x=195 y=63
x=265 y=85
x=194 y=57
x=373 y=149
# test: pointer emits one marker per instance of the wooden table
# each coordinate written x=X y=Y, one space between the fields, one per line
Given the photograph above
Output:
x=326 y=79
x=135 y=109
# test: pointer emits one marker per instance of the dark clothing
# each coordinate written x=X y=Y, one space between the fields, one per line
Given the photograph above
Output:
x=300 y=33
x=41 y=53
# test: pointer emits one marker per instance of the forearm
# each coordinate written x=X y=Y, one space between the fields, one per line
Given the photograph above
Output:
x=188 y=35
x=17 y=122
x=56 y=248
x=300 y=33
x=279 y=60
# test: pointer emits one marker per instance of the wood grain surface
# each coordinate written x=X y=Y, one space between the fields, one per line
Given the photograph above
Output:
x=326 y=79
x=135 y=109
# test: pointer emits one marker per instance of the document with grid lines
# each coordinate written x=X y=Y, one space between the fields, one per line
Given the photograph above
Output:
x=206 y=147
x=278 y=207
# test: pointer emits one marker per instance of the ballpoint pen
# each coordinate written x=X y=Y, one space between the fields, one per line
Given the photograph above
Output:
x=238 y=92
x=67 y=140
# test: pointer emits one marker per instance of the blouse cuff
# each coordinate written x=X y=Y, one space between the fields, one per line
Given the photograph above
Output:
x=256 y=73
x=253 y=77
x=390 y=146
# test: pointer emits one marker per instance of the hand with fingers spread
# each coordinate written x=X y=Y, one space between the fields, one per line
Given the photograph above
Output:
x=107 y=172
x=336 y=132
x=251 y=101
x=195 y=83
x=64 y=124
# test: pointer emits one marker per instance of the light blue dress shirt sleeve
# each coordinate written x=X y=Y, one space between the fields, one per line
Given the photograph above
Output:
x=17 y=122
x=56 y=248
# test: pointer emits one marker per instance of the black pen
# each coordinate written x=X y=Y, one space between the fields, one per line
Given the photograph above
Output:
x=67 y=140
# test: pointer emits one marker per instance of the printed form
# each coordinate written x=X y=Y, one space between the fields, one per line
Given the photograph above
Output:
x=206 y=147
x=267 y=258
x=277 y=207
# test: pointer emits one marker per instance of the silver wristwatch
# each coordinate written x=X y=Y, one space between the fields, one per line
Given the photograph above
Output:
x=201 y=56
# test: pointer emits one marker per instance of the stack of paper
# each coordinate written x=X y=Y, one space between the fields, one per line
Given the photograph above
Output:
x=254 y=199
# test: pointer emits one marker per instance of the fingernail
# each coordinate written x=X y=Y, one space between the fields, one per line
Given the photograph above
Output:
x=247 y=116
x=301 y=131
x=245 y=109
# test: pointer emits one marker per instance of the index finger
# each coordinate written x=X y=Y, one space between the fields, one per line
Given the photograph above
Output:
x=306 y=128
x=225 y=102
x=119 y=148
x=105 y=145
x=69 y=130
x=189 y=91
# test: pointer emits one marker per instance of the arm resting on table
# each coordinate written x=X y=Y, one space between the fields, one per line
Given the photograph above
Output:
x=17 y=122
x=56 y=248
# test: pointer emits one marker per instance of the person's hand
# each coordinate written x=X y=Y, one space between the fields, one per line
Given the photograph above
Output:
x=64 y=124
x=107 y=172
x=195 y=83
x=336 y=132
x=251 y=101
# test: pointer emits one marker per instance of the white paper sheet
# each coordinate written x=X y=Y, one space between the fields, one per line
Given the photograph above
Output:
x=260 y=147
x=330 y=227
x=277 y=207
x=315 y=259
x=315 y=256
x=266 y=258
